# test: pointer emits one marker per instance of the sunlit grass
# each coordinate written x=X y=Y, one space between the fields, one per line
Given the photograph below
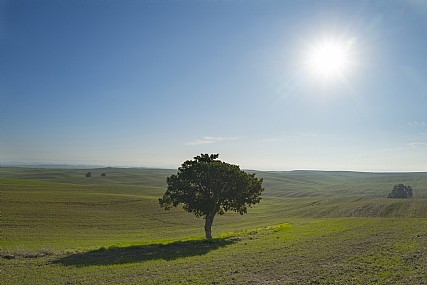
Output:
x=343 y=250
x=62 y=233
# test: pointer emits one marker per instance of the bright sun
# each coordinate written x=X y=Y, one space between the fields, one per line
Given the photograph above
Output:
x=328 y=59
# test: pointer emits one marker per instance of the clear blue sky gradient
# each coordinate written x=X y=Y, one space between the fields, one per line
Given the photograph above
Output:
x=154 y=83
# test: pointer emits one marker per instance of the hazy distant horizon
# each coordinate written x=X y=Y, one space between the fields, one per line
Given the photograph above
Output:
x=167 y=167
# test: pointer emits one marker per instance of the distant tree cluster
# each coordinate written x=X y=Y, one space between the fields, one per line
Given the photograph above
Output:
x=400 y=191
x=89 y=174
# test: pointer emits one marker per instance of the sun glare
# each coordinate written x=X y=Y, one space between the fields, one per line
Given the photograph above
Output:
x=328 y=59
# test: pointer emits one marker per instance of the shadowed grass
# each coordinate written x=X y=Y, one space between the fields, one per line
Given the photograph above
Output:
x=138 y=253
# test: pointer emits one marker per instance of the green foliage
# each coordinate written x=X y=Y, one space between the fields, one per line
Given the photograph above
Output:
x=206 y=186
x=400 y=191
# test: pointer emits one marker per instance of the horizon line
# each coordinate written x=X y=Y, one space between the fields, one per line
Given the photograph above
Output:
x=94 y=166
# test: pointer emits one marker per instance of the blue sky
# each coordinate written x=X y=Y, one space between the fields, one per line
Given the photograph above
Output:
x=154 y=83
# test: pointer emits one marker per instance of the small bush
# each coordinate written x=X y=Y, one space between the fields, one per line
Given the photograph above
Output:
x=400 y=191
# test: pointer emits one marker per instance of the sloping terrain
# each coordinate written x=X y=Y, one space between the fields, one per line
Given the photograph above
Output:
x=59 y=227
x=291 y=184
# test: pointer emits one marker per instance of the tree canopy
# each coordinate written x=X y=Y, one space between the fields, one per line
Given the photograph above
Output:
x=207 y=186
x=400 y=191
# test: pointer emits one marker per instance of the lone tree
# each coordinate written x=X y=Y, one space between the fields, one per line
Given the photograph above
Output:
x=207 y=186
x=400 y=191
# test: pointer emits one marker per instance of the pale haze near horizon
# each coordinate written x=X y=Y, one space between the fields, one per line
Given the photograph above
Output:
x=144 y=83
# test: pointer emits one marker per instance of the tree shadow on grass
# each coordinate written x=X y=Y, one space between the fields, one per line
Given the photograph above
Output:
x=139 y=253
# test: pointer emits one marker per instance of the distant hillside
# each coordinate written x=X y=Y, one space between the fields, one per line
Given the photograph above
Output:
x=287 y=184
x=304 y=183
x=131 y=176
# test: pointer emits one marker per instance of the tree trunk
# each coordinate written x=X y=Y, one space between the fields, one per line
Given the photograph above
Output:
x=208 y=225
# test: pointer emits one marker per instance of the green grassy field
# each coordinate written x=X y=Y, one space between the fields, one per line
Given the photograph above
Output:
x=291 y=184
x=59 y=227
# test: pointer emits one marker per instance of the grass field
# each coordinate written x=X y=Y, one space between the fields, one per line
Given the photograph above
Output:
x=291 y=184
x=59 y=227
